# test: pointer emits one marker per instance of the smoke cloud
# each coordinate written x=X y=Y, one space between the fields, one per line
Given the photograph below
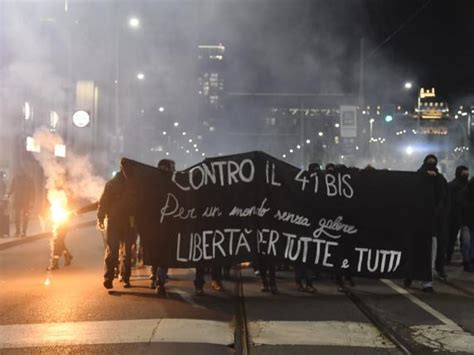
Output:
x=74 y=174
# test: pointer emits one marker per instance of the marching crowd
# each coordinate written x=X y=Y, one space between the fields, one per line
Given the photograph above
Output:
x=454 y=220
x=453 y=225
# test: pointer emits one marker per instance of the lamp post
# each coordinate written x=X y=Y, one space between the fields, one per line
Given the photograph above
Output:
x=371 y=125
x=134 y=24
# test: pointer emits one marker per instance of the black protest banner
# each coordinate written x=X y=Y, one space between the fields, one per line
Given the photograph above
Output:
x=241 y=207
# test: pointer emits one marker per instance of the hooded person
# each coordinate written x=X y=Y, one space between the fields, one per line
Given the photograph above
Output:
x=440 y=227
x=118 y=204
x=23 y=190
x=314 y=167
x=456 y=188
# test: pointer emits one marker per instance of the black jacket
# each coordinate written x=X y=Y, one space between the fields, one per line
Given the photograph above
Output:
x=440 y=189
x=441 y=197
x=23 y=191
x=456 y=189
x=466 y=201
x=118 y=201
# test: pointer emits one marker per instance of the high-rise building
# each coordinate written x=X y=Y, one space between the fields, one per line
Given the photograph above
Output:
x=210 y=83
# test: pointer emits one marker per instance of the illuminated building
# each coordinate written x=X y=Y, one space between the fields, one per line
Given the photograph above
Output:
x=430 y=107
x=210 y=82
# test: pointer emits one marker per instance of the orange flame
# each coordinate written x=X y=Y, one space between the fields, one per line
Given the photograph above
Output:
x=47 y=281
x=58 y=208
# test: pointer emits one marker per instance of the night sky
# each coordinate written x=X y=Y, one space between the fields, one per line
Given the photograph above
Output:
x=313 y=46
x=436 y=48
x=299 y=46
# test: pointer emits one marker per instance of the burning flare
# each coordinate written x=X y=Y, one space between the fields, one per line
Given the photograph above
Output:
x=58 y=208
x=47 y=281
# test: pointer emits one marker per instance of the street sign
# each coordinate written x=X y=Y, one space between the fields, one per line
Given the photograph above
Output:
x=348 y=116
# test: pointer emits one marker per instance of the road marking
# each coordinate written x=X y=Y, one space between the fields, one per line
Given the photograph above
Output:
x=443 y=338
x=448 y=336
x=117 y=332
x=438 y=315
x=335 y=333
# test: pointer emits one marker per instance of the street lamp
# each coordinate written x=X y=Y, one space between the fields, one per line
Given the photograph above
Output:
x=371 y=123
x=408 y=85
x=134 y=22
x=27 y=111
x=140 y=76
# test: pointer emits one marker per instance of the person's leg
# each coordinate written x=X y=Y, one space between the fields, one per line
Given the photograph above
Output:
x=199 y=280
x=467 y=249
x=161 y=272
x=226 y=270
x=216 y=276
x=54 y=257
x=471 y=249
x=154 y=276
x=308 y=275
x=256 y=266
x=427 y=285
x=127 y=261
x=299 y=276
x=17 y=213
x=271 y=276
x=262 y=267
x=60 y=245
x=63 y=250
x=453 y=233
x=111 y=255
x=24 y=221
x=465 y=246
x=440 y=258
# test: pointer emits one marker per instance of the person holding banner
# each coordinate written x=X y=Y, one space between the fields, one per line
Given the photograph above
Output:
x=439 y=239
x=303 y=273
x=441 y=213
x=117 y=204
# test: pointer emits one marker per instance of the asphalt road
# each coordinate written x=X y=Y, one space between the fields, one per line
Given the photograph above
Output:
x=75 y=314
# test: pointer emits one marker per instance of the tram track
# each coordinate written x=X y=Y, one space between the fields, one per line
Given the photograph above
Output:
x=401 y=343
x=458 y=288
x=396 y=333
x=241 y=335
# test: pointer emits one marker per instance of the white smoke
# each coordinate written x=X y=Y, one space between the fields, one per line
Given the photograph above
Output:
x=75 y=173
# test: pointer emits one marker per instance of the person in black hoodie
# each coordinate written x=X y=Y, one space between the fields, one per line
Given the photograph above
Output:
x=456 y=187
x=440 y=229
x=117 y=204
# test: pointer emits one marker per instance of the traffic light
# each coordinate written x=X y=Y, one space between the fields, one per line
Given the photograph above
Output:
x=388 y=113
